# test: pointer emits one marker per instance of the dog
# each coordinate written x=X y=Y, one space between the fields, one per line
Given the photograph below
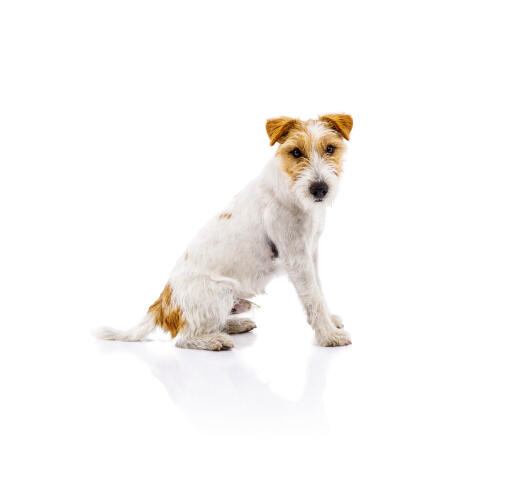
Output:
x=272 y=227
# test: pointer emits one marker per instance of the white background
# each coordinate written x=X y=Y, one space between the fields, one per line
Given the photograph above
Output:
x=125 y=125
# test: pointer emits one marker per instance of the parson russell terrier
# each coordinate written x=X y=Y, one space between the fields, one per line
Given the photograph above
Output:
x=271 y=227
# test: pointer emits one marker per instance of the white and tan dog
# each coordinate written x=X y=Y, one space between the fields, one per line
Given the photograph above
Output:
x=271 y=227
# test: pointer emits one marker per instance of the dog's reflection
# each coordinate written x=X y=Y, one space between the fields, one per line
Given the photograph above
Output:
x=219 y=390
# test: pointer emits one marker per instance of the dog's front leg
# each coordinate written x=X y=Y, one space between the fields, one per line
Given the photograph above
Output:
x=301 y=270
x=337 y=321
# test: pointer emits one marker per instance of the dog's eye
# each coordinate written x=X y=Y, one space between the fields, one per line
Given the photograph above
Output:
x=330 y=149
x=297 y=153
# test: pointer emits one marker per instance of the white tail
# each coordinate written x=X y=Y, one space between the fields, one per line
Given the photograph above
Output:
x=137 y=333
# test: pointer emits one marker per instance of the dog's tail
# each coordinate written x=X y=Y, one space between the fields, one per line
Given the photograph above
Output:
x=137 y=333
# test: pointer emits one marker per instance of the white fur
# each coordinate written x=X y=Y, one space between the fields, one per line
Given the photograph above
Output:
x=137 y=333
x=231 y=258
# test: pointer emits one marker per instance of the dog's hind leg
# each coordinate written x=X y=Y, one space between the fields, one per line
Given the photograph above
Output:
x=235 y=325
x=205 y=305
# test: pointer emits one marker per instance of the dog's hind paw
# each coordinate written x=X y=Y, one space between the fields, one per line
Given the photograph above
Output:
x=237 y=326
x=221 y=342
x=217 y=341
x=334 y=338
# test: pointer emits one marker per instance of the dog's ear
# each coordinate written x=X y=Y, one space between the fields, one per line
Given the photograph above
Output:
x=340 y=122
x=278 y=128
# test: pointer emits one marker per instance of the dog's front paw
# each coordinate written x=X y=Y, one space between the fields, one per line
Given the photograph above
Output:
x=334 y=338
x=337 y=321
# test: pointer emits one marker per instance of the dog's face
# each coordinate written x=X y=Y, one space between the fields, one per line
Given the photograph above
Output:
x=310 y=154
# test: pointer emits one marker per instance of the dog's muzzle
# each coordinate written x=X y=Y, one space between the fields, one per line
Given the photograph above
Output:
x=319 y=190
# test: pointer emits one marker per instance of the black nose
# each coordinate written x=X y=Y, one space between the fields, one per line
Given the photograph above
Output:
x=318 y=190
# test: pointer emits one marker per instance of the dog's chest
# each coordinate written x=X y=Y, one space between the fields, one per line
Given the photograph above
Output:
x=306 y=228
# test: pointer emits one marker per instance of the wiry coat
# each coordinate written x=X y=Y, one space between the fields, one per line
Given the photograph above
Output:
x=271 y=227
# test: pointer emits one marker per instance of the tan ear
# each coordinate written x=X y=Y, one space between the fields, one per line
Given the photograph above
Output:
x=278 y=128
x=340 y=122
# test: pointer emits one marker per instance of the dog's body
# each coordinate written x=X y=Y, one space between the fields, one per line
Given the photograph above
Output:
x=270 y=228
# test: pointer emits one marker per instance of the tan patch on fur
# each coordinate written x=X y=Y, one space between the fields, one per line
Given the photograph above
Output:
x=342 y=123
x=334 y=159
x=278 y=128
x=167 y=315
x=225 y=216
x=297 y=138
x=186 y=256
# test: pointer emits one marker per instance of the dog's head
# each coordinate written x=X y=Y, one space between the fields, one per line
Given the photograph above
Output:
x=310 y=154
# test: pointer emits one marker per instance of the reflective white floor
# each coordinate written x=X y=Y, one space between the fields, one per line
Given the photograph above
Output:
x=226 y=392
x=400 y=403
